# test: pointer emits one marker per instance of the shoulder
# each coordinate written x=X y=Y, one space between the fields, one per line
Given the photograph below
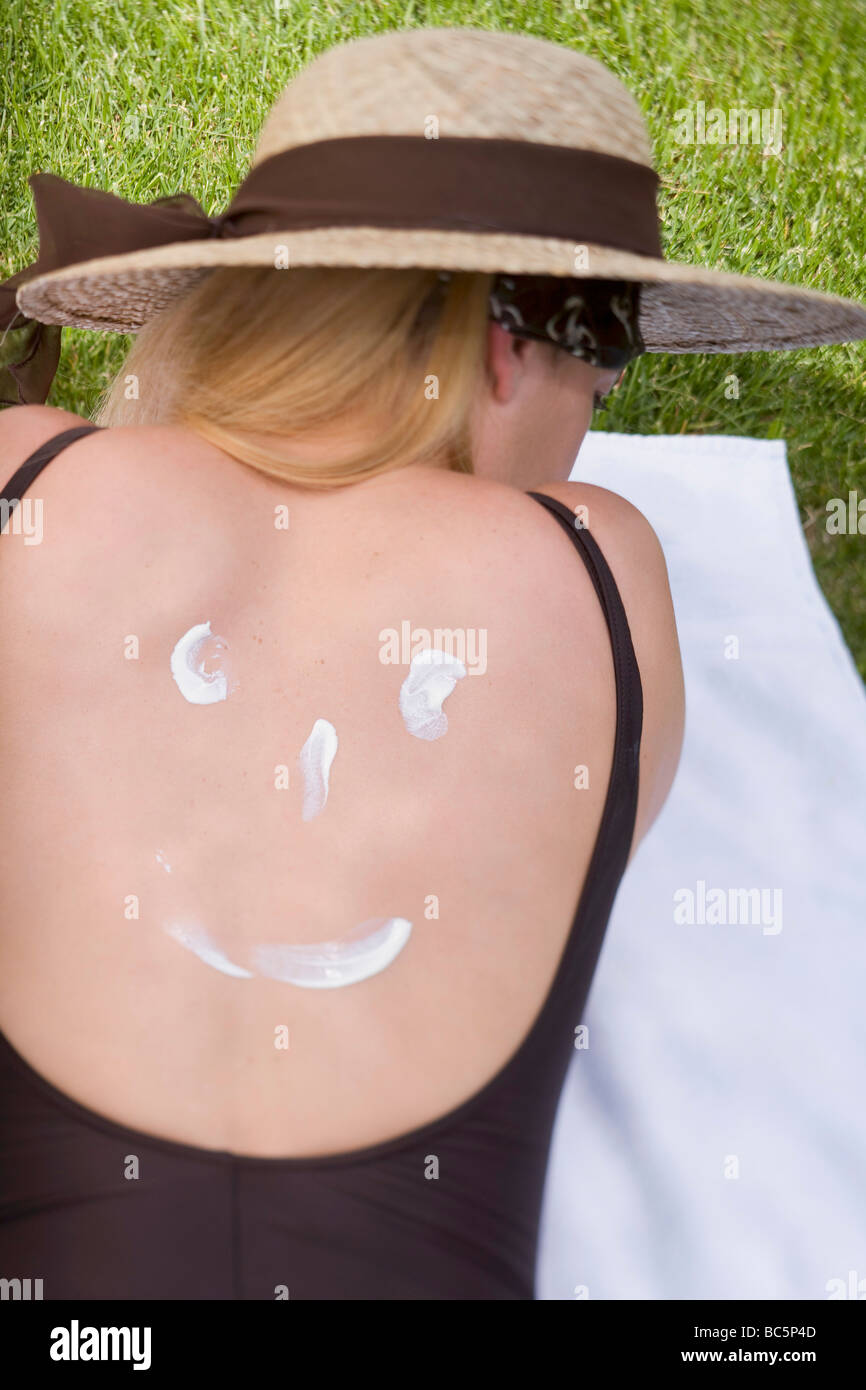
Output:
x=626 y=539
x=106 y=468
x=636 y=560
x=612 y=519
x=24 y=428
x=96 y=486
x=631 y=548
x=72 y=484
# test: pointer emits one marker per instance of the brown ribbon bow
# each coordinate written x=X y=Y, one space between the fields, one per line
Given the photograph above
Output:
x=469 y=184
x=79 y=224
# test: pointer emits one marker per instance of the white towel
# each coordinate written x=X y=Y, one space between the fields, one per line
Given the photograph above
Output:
x=711 y=1142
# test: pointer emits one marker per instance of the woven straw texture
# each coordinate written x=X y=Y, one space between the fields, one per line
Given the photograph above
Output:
x=498 y=86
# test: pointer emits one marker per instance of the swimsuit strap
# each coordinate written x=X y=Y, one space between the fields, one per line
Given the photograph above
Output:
x=616 y=830
x=33 y=465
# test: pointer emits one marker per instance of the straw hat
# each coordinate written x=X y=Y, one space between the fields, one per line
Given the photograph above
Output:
x=458 y=149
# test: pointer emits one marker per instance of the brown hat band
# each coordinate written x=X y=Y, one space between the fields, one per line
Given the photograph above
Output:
x=453 y=184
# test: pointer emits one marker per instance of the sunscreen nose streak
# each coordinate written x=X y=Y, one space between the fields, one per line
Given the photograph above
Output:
x=316 y=757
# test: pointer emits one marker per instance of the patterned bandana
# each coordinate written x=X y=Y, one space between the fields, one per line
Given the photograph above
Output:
x=595 y=320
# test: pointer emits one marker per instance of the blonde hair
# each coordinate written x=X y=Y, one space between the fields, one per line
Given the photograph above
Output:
x=390 y=358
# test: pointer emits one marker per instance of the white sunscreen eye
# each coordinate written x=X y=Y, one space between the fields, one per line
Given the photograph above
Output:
x=432 y=676
x=365 y=951
x=316 y=757
x=197 y=940
x=198 y=664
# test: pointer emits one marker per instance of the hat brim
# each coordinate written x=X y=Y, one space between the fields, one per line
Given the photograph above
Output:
x=684 y=308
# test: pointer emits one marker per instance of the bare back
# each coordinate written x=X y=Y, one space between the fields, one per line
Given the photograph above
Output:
x=129 y=809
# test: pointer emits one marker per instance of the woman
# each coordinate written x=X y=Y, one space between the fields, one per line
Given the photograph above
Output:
x=334 y=711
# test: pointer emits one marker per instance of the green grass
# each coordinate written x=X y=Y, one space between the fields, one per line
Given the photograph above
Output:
x=150 y=98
